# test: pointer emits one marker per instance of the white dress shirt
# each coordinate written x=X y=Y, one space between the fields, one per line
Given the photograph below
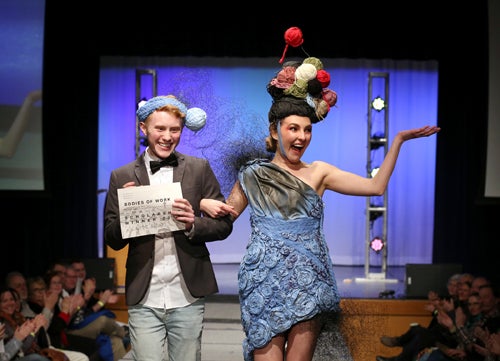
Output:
x=167 y=288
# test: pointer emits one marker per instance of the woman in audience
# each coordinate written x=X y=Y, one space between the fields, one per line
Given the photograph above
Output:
x=64 y=310
x=13 y=346
x=13 y=319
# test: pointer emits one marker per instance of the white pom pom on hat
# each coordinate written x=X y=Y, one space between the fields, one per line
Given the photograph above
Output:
x=196 y=119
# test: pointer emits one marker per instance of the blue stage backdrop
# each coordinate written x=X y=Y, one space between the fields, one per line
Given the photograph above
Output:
x=233 y=93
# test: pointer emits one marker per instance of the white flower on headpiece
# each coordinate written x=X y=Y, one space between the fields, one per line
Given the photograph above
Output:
x=306 y=72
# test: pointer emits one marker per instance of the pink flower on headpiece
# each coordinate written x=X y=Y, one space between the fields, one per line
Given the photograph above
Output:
x=330 y=97
x=285 y=78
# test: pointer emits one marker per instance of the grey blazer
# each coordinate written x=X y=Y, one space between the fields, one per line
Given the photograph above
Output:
x=198 y=181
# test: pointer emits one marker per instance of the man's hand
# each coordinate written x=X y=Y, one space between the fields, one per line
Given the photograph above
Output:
x=182 y=211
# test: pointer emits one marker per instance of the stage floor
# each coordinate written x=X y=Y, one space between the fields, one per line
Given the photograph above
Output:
x=351 y=281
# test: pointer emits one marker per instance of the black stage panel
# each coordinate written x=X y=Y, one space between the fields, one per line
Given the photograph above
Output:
x=421 y=278
x=103 y=270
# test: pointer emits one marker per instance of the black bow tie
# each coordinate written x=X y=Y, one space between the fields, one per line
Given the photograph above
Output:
x=156 y=165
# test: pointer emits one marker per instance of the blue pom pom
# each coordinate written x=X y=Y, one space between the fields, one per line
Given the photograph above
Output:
x=195 y=119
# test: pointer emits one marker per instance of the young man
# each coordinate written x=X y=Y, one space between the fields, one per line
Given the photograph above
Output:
x=170 y=273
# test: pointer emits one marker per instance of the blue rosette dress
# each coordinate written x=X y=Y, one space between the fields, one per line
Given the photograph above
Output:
x=286 y=275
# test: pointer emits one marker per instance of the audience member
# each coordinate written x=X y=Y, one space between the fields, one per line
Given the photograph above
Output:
x=63 y=312
x=39 y=300
x=17 y=281
x=92 y=321
x=462 y=328
x=105 y=296
x=13 y=319
x=418 y=338
x=100 y=300
x=464 y=291
x=452 y=285
x=14 y=345
x=58 y=266
x=478 y=282
x=43 y=301
x=490 y=324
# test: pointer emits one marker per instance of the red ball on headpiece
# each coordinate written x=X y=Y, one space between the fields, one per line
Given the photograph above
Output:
x=323 y=77
x=293 y=37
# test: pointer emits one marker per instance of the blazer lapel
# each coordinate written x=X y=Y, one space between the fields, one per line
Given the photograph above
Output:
x=179 y=170
x=141 y=171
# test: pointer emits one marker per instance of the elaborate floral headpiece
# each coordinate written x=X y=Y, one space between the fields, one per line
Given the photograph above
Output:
x=307 y=80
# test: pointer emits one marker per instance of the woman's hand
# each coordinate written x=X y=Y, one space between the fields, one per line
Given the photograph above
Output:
x=24 y=330
x=418 y=132
x=215 y=208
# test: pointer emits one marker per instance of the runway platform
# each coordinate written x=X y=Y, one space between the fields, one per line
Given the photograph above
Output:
x=369 y=311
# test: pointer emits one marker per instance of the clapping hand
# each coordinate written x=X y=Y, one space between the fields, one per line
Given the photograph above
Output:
x=24 y=330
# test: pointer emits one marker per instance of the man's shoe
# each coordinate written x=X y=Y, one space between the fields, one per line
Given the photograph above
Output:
x=389 y=341
x=382 y=358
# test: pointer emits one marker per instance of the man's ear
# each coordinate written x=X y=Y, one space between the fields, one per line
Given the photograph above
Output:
x=143 y=127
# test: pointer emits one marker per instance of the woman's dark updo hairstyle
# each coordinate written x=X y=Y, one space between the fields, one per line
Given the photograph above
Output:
x=288 y=105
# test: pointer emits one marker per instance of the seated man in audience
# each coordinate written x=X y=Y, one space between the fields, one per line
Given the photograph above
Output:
x=418 y=338
x=92 y=319
x=105 y=296
x=45 y=301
